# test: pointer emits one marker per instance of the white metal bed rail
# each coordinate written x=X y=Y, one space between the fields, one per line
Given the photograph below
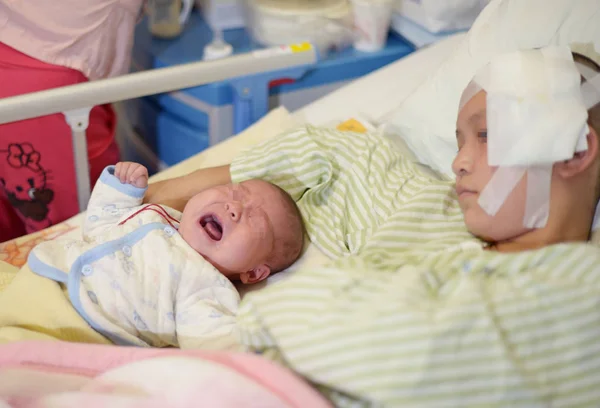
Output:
x=76 y=101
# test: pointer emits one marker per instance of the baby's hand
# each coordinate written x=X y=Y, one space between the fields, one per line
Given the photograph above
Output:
x=132 y=173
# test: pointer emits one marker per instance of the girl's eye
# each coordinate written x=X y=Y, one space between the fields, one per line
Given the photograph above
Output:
x=482 y=134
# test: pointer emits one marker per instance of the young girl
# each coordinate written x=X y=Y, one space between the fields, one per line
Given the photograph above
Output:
x=49 y=44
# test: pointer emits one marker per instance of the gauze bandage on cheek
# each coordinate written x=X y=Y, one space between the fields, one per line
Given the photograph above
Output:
x=536 y=116
x=497 y=190
x=537 y=206
x=502 y=184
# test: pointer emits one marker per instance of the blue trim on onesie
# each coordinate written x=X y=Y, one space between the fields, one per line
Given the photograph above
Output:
x=108 y=178
x=46 y=271
x=74 y=278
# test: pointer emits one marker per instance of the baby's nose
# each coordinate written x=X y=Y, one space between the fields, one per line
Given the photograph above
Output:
x=234 y=210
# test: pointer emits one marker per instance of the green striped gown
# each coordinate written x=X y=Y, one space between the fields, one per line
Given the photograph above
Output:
x=411 y=312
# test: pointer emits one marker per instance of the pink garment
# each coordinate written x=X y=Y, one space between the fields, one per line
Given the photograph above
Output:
x=70 y=374
x=37 y=170
x=91 y=36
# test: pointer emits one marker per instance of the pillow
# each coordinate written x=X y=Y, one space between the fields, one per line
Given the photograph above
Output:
x=426 y=119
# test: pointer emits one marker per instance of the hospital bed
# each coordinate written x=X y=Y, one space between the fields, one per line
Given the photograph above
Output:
x=416 y=98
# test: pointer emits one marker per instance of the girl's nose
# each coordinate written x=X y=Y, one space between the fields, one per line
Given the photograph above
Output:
x=463 y=162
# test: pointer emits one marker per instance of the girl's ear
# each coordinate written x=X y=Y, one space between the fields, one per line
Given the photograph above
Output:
x=582 y=160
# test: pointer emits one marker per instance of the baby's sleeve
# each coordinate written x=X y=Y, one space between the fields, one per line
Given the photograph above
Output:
x=208 y=325
x=109 y=201
x=206 y=310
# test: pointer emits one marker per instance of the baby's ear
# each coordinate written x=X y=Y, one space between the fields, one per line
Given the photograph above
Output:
x=582 y=160
x=256 y=275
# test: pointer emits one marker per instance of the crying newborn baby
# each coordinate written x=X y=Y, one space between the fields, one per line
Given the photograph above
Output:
x=247 y=230
x=149 y=275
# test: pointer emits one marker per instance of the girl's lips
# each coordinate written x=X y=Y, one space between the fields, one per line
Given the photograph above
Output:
x=463 y=192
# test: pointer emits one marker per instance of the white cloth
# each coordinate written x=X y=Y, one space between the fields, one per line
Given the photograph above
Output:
x=134 y=279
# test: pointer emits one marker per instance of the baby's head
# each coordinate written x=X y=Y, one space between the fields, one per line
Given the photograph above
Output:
x=247 y=231
x=574 y=188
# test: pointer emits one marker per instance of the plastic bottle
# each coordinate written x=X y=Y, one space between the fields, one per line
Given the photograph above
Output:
x=218 y=48
x=166 y=18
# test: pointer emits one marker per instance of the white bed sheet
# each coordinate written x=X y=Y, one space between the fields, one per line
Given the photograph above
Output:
x=370 y=98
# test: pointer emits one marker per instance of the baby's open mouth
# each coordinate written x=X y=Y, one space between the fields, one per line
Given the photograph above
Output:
x=212 y=226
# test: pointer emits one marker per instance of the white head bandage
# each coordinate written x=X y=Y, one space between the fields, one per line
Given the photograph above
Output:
x=536 y=116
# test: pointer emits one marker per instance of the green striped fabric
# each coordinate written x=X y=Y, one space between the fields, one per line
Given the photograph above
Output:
x=412 y=312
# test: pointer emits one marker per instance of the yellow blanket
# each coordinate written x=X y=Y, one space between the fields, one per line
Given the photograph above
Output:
x=7 y=273
x=36 y=308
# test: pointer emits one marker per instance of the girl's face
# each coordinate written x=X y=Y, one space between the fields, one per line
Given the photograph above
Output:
x=473 y=174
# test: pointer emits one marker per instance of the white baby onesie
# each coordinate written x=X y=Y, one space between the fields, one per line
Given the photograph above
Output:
x=134 y=279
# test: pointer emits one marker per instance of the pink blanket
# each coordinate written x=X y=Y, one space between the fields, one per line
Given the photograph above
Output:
x=59 y=374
